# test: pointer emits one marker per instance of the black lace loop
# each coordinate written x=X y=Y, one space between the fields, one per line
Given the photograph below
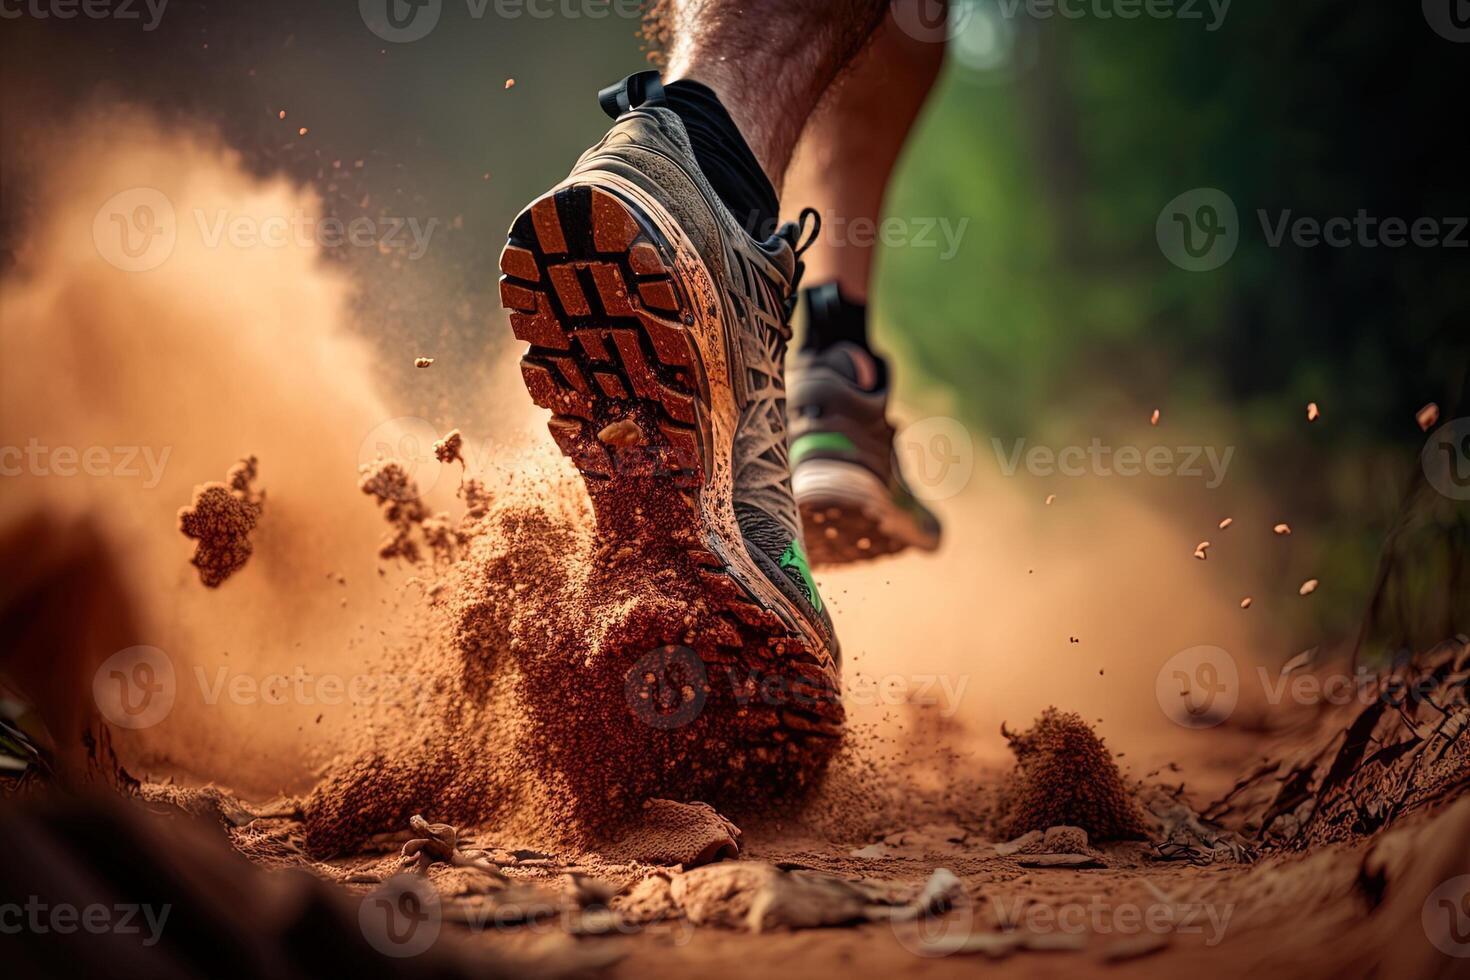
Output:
x=801 y=240
x=801 y=222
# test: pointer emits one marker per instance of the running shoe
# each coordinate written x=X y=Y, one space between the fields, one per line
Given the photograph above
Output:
x=846 y=476
x=658 y=330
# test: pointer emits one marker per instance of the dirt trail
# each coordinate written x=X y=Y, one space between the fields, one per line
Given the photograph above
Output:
x=495 y=670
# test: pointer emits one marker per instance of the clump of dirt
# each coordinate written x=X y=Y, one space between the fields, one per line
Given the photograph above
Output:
x=564 y=681
x=447 y=450
x=1065 y=776
x=220 y=518
x=397 y=494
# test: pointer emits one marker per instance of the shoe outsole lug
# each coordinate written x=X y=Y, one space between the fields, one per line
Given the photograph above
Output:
x=582 y=264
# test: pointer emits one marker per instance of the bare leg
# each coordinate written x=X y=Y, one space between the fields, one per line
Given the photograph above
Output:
x=848 y=150
x=769 y=60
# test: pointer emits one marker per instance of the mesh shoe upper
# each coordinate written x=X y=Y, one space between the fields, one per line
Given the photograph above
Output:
x=759 y=279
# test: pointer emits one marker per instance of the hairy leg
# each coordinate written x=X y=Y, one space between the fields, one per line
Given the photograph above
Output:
x=769 y=60
x=848 y=149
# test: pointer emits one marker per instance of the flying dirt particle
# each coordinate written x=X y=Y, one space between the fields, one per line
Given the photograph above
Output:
x=1313 y=414
x=281 y=114
x=476 y=498
x=447 y=450
x=1282 y=529
x=423 y=362
x=864 y=544
x=1050 y=498
x=510 y=83
x=302 y=131
x=1154 y=418
x=623 y=432
x=398 y=496
x=1308 y=587
x=1200 y=549
x=1064 y=776
x=221 y=517
x=1427 y=417
x=1226 y=523
x=1245 y=603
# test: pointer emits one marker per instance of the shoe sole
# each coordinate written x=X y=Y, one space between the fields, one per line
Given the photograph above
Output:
x=628 y=352
x=850 y=516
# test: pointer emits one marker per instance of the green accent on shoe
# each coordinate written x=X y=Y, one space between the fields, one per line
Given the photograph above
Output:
x=813 y=442
x=794 y=557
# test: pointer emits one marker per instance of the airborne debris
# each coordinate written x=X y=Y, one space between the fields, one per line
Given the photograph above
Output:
x=1282 y=529
x=423 y=362
x=1226 y=523
x=1154 y=419
x=1200 y=549
x=1308 y=587
x=447 y=450
x=220 y=518
x=1313 y=413
x=1427 y=416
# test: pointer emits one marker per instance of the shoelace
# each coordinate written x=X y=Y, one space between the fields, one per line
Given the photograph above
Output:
x=793 y=232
